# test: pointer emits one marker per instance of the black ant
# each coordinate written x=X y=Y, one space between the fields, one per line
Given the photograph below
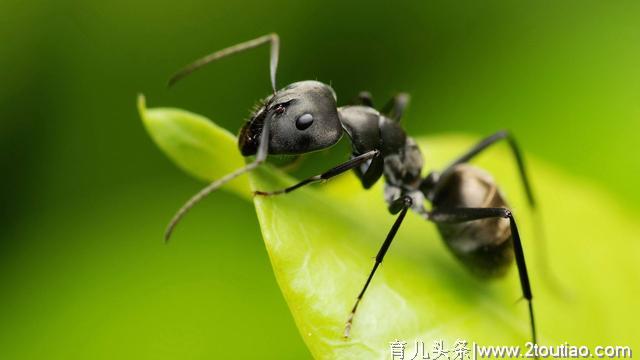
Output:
x=468 y=209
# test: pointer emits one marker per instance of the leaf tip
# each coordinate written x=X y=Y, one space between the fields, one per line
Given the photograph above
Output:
x=142 y=104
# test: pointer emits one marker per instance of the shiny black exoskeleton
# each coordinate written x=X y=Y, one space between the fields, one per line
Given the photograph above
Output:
x=466 y=205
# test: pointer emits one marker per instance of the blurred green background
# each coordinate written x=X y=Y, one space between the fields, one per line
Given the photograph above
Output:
x=86 y=195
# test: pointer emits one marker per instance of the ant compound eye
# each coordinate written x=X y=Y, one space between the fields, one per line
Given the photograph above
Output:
x=279 y=109
x=304 y=121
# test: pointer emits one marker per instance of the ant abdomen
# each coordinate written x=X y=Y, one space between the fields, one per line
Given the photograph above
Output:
x=484 y=246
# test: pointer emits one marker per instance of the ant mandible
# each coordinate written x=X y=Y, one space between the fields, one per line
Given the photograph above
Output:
x=468 y=209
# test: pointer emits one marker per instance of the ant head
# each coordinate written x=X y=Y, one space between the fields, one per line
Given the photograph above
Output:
x=302 y=118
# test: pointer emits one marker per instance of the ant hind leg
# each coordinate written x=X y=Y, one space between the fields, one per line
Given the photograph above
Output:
x=459 y=215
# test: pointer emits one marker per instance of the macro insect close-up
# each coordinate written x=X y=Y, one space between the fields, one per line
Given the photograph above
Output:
x=330 y=180
x=471 y=214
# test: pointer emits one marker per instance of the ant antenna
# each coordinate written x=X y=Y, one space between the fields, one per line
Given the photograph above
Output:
x=261 y=156
x=273 y=65
x=262 y=152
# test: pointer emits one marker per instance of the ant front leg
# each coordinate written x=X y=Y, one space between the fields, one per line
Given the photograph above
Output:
x=347 y=165
x=459 y=215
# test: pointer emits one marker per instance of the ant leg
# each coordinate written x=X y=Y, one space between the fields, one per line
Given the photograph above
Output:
x=372 y=174
x=401 y=205
x=261 y=156
x=485 y=143
x=396 y=105
x=458 y=215
x=552 y=279
x=364 y=98
x=272 y=38
x=348 y=165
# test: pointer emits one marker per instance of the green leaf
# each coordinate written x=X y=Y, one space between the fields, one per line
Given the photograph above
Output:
x=197 y=145
x=321 y=240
